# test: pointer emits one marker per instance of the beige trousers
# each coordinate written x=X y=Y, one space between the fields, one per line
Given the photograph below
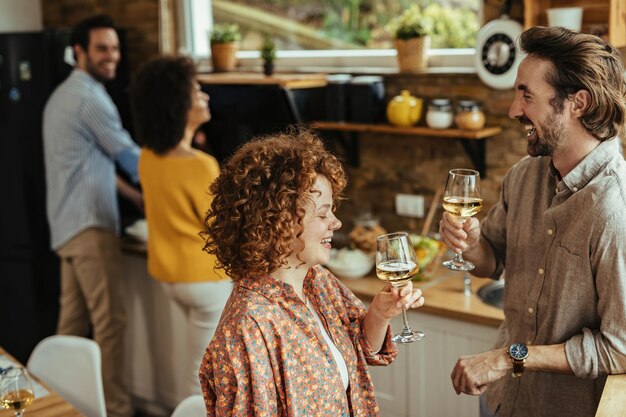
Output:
x=92 y=292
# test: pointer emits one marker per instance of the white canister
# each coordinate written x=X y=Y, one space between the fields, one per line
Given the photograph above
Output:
x=439 y=114
x=567 y=17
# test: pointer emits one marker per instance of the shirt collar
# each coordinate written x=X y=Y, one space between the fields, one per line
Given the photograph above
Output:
x=272 y=288
x=589 y=167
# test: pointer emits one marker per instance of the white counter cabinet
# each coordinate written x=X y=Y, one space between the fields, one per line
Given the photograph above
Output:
x=417 y=383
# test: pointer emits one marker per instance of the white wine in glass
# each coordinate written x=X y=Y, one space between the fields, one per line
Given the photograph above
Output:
x=16 y=390
x=463 y=200
x=396 y=263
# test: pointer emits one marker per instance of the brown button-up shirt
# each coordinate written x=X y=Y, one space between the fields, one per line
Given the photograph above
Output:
x=268 y=357
x=563 y=245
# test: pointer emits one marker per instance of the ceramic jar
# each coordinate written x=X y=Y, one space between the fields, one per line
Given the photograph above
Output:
x=439 y=114
x=469 y=115
x=404 y=110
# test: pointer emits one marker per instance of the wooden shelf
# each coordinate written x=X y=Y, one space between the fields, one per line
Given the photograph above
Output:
x=289 y=81
x=414 y=130
x=473 y=141
x=597 y=14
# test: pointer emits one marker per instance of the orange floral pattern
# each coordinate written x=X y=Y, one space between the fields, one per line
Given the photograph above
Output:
x=268 y=357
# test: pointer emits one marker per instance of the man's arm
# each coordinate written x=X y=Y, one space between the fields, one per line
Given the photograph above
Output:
x=473 y=373
x=129 y=192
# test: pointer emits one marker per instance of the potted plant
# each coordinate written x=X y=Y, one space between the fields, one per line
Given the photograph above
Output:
x=411 y=38
x=224 y=38
x=268 y=54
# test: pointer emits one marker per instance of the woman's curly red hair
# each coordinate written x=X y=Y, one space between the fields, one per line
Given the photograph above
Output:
x=259 y=200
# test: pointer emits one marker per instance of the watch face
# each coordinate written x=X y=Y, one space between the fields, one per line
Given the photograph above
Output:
x=518 y=351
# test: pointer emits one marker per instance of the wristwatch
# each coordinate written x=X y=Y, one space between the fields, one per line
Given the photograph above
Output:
x=518 y=353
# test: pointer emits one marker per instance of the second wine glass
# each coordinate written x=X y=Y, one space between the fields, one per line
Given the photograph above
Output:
x=463 y=200
x=396 y=263
x=16 y=390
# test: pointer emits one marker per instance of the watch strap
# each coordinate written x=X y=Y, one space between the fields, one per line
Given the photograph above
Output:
x=518 y=367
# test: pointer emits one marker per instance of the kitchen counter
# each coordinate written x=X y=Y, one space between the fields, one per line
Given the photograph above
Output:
x=443 y=293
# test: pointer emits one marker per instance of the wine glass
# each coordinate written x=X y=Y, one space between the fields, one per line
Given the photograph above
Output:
x=396 y=263
x=462 y=199
x=16 y=390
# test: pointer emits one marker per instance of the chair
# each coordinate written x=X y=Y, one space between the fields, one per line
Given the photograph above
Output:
x=192 y=406
x=71 y=366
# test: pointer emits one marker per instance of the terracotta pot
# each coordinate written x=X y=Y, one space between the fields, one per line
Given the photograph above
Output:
x=412 y=53
x=224 y=56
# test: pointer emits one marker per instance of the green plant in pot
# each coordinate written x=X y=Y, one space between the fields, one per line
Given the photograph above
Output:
x=411 y=32
x=224 y=38
x=268 y=54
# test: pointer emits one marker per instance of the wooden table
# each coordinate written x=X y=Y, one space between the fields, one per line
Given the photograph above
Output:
x=613 y=401
x=52 y=405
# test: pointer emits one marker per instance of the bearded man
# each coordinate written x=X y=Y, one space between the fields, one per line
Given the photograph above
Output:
x=559 y=230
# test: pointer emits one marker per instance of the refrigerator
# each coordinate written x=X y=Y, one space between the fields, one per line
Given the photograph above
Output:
x=31 y=66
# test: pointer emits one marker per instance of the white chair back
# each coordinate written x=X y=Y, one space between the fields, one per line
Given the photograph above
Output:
x=192 y=406
x=71 y=366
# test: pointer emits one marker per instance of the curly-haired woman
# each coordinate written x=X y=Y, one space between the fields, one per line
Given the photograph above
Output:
x=168 y=107
x=292 y=341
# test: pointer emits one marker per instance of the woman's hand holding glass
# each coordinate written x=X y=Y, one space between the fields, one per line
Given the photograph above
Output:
x=391 y=301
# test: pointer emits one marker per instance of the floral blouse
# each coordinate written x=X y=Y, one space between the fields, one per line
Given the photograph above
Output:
x=268 y=357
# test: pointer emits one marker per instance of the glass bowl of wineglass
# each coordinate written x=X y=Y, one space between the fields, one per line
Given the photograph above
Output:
x=16 y=390
x=396 y=263
x=462 y=199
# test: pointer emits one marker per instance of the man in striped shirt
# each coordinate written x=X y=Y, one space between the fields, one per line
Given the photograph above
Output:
x=83 y=141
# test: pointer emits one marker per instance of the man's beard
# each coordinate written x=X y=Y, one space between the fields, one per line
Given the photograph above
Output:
x=96 y=73
x=553 y=136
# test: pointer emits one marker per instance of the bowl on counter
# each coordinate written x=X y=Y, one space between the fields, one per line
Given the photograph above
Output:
x=350 y=263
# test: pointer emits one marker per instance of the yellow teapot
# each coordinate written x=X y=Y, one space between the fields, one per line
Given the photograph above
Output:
x=404 y=110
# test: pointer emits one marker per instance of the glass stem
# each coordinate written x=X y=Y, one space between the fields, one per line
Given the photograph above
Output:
x=459 y=257
x=407 y=328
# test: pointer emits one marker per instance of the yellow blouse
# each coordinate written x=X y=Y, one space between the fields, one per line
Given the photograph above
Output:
x=176 y=198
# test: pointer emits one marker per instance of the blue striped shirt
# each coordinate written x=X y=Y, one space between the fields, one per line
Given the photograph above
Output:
x=83 y=136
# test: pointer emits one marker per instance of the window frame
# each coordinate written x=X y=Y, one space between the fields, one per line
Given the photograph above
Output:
x=196 y=19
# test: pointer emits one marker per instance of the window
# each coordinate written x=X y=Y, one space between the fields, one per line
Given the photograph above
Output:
x=332 y=33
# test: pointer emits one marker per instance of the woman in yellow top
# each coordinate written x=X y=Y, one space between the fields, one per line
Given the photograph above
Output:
x=168 y=107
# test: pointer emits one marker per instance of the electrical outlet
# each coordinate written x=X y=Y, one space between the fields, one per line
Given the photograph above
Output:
x=410 y=205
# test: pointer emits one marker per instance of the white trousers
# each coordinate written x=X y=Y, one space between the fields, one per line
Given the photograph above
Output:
x=202 y=303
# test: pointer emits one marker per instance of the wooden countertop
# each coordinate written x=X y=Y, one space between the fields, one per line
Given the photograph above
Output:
x=443 y=295
x=291 y=81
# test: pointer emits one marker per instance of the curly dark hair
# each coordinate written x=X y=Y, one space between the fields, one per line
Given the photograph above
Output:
x=161 y=96
x=583 y=62
x=260 y=198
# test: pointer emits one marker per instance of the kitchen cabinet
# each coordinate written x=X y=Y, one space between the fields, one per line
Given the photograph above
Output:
x=604 y=16
x=417 y=383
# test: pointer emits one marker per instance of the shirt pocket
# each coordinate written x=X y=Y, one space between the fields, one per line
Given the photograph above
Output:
x=569 y=256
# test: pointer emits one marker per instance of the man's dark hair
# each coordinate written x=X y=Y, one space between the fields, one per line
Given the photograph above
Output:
x=80 y=33
x=582 y=62
x=161 y=96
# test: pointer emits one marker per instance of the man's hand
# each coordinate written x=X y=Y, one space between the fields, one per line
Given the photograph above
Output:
x=473 y=373
x=457 y=235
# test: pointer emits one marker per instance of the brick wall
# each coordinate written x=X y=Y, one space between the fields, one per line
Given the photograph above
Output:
x=140 y=18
